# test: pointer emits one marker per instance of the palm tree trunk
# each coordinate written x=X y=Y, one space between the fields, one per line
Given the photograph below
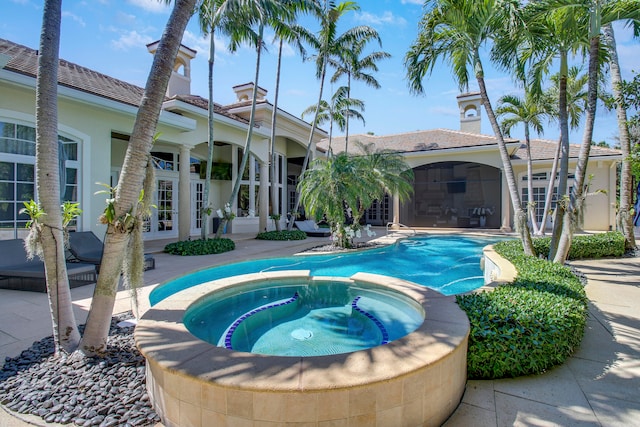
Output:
x=247 y=144
x=65 y=331
x=520 y=219
x=94 y=341
x=308 y=153
x=578 y=194
x=530 y=204
x=558 y=217
x=275 y=205
x=626 y=188
x=346 y=124
x=549 y=194
x=207 y=180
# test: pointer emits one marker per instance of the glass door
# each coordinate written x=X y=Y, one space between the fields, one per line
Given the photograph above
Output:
x=163 y=221
x=166 y=223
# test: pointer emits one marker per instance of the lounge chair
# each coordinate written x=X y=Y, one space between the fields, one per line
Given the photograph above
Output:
x=20 y=273
x=311 y=228
x=87 y=247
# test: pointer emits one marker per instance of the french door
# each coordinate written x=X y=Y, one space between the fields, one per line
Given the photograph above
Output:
x=163 y=221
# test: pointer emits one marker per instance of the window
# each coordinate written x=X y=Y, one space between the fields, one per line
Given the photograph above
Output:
x=18 y=175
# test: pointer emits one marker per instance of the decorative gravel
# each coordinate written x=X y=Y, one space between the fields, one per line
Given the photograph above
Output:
x=71 y=389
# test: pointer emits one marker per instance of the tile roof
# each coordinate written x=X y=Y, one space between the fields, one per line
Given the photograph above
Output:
x=544 y=149
x=446 y=139
x=24 y=60
x=424 y=140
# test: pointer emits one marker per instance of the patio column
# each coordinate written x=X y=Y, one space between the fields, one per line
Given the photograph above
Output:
x=396 y=210
x=263 y=196
x=506 y=204
x=184 y=193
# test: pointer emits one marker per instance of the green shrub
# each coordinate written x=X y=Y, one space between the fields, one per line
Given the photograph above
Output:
x=528 y=326
x=282 y=235
x=200 y=247
x=610 y=244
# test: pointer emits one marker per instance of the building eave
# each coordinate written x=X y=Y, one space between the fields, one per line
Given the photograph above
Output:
x=166 y=118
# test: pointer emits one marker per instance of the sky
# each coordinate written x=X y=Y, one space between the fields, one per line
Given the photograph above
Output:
x=110 y=36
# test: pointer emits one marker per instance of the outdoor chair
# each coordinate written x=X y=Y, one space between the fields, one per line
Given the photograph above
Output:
x=311 y=228
x=20 y=273
x=85 y=246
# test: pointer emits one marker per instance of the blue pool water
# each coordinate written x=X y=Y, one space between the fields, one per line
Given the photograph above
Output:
x=448 y=264
x=303 y=318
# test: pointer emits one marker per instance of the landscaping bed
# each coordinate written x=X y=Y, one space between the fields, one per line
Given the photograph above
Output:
x=536 y=322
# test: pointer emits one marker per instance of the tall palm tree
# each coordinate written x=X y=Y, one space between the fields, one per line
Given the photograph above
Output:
x=576 y=104
x=594 y=14
x=251 y=13
x=125 y=213
x=551 y=35
x=528 y=111
x=292 y=34
x=328 y=44
x=210 y=21
x=49 y=226
x=350 y=64
x=340 y=108
x=455 y=31
x=626 y=177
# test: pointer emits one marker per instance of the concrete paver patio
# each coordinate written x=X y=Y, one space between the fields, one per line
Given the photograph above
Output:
x=598 y=386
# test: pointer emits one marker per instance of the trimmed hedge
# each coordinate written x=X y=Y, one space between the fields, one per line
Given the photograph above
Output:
x=610 y=244
x=282 y=235
x=200 y=247
x=532 y=324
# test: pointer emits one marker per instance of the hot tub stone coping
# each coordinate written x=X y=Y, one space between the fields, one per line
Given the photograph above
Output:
x=164 y=340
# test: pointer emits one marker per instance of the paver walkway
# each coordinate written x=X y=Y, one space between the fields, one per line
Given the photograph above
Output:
x=598 y=386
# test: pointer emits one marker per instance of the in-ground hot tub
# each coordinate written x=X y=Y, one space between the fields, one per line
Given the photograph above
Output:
x=415 y=379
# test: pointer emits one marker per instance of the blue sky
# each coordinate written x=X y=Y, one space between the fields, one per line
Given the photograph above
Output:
x=109 y=36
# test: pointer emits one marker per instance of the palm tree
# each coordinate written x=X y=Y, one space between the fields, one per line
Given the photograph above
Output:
x=328 y=44
x=289 y=33
x=351 y=65
x=207 y=14
x=513 y=111
x=576 y=104
x=455 y=31
x=47 y=229
x=551 y=35
x=626 y=177
x=387 y=172
x=347 y=182
x=124 y=215
x=338 y=111
x=249 y=13
x=594 y=14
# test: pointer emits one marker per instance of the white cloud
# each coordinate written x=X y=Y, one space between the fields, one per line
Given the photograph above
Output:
x=417 y=2
x=387 y=18
x=131 y=39
x=74 y=17
x=154 y=6
x=125 y=18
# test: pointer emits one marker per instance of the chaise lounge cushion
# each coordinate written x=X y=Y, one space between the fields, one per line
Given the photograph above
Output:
x=85 y=246
x=19 y=272
x=311 y=228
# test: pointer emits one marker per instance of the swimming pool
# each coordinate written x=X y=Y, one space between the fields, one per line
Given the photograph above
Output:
x=449 y=264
